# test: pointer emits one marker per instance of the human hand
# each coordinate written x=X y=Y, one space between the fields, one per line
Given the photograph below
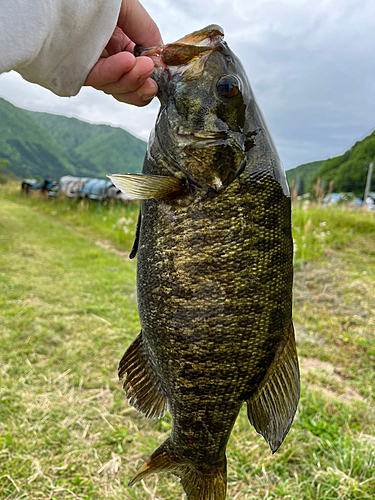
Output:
x=118 y=72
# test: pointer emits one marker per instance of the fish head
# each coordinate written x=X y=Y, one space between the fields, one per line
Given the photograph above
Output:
x=202 y=130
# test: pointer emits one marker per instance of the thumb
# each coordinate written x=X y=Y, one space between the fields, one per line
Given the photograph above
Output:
x=138 y=25
x=118 y=42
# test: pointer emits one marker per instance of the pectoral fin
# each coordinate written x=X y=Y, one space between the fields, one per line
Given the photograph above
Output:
x=271 y=410
x=147 y=187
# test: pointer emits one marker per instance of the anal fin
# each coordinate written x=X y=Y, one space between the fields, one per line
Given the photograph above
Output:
x=272 y=408
x=141 y=384
x=200 y=483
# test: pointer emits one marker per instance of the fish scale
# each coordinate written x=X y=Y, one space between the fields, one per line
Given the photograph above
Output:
x=214 y=269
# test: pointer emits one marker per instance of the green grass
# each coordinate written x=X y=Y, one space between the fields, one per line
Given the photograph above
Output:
x=113 y=222
x=317 y=228
x=68 y=312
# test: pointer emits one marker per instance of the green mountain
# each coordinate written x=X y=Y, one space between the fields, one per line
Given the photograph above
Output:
x=47 y=145
x=109 y=149
x=349 y=171
x=28 y=147
x=300 y=178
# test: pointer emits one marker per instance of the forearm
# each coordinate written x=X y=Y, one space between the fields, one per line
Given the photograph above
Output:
x=55 y=43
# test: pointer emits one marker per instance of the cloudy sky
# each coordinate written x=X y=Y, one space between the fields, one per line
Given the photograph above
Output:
x=311 y=65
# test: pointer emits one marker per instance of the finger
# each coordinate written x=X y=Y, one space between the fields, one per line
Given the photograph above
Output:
x=140 y=97
x=138 y=25
x=118 y=42
x=111 y=69
x=131 y=80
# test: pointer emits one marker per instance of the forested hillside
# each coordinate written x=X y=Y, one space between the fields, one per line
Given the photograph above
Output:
x=42 y=144
x=348 y=171
x=109 y=149
x=29 y=147
x=299 y=178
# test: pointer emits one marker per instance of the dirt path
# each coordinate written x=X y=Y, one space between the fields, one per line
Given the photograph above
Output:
x=108 y=246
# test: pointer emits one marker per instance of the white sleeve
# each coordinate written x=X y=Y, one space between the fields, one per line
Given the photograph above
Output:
x=55 y=43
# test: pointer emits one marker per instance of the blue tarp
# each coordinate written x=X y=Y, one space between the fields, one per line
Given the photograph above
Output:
x=95 y=188
x=334 y=198
x=29 y=182
x=38 y=184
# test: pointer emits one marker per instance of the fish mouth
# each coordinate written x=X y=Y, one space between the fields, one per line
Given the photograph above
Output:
x=193 y=48
x=193 y=150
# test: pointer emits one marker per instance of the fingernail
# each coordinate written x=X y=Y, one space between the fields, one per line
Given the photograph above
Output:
x=143 y=78
x=149 y=91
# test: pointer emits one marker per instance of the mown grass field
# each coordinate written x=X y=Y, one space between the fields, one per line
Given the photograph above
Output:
x=68 y=312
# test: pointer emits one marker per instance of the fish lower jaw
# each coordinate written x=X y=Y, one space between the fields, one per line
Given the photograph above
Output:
x=199 y=140
x=186 y=133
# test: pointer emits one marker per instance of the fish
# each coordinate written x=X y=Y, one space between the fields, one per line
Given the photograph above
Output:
x=214 y=267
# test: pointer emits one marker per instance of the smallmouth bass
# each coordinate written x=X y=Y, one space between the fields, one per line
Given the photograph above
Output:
x=214 y=269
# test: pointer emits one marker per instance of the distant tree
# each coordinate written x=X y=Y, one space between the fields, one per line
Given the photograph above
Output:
x=349 y=171
x=3 y=175
x=301 y=189
x=3 y=163
x=305 y=173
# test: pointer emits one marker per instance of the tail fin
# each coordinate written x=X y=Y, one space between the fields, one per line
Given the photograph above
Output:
x=209 y=483
x=199 y=483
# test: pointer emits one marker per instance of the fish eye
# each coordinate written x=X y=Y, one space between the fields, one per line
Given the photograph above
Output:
x=228 y=86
